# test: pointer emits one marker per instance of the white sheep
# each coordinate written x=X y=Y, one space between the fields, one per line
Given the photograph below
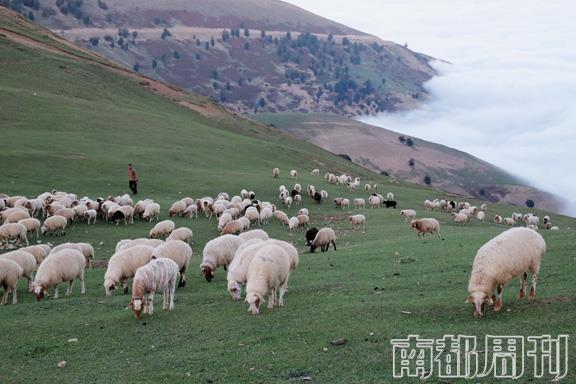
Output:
x=265 y=215
x=359 y=203
x=293 y=174
x=234 y=227
x=357 y=221
x=293 y=223
x=480 y=215
x=252 y=214
x=276 y=173
x=68 y=213
x=90 y=216
x=367 y=187
x=151 y=212
x=180 y=252
x=268 y=272
x=15 y=231
x=162 y=229
x=460 y=218
x=184 y=234
x=39 y=251
x=62 y=266
x=26 y=261
x=14 y=215
x=157 y=275
x=238 y=268
x=123 y=265
x=53 y=224
x=483 y=207
x=288 y=201
x=177 y=208
x=86 y=249
x=315 y=172
x=510 y=254
x=218 y=252
x=508 y=221
x=224 y=219
x=374 y=201
x=389 y=196
x=426 y=225
x=254 y=234
x=408 y=214
x=126 y=243
x=530 y=219
x=323 y=239
x=191 y=210
x=498 y=219
x=10 y=273
x=281 y=217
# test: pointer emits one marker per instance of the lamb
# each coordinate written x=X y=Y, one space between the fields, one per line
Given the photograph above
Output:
x=245 y=222
x=140 y=207
x=508 y=221
x=183 y=234
x=374 y=201
x=191 y=210
x=90 y=216
x=357 y=221
x=293 y=223
x=268 y=271
x=510 y=254
x=359 y=203
x=218 y=252
x=178 y=251
x=310 y=235
x=123 y=265
x=323 y=239
x=151 y=212
x=53 y=224
x=10 y=273
x=177 y=209
x=276 y=173
x=39 y=251
x=426 y=225
x=65 y=265
x=480 y=215
x=293 y=174
x=254 y=234
x=26 y=261
x=345 y=203
x=408 y=214
x=318 y=197
x=162 y=229
x=188 y=201
x=498 y=219
x=281 y=217
x=459 y=218
x=15 y=231
x=157 y=275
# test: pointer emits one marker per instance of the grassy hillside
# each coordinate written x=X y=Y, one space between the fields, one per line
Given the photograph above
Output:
x=74 y=124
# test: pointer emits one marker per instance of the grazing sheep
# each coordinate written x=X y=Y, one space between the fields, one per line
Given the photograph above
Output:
x=234 y=227
x=123 y=265
x=183 y=234
x=357 y=221
x=359 y=203
x=180 y=252
x=276 y=173
x=389 y=196
x=498 y=219
x=151 y=212
x=281 y=217
x=86 y=249
x=162 y=229
x=426 y=225
x=188 y=201
x=128 y=213
x=191 y=210
x=177 y=208
x=304 y=211
x=293 y=223
x=265 y=215
x=160 y=274
x=510 y=254
x=39 y=251
x=218 y=252
x=408 y=214
x=15 y=231
x=483 y=207
x=531 y=220
x=480 y=215
x=508 y=221
x=288 y=202
x=297 y=199
x=14 y=215
x=252 y=214
x=53 y=224
x=268 y=271
x=293 y=174
x=245 y=222
x=554 y=228
x=90 y=216
x=459 y=218
x=323 y=239
x=390 y=203
x=26 y=261
x=10 y=273
x=68 y=213
x=374 y=201
x=367 y=187
x=125 y=244
x=303 y=220
x=64 y=265
x=429 y=205
x=238 y=268
x=315 y=172
x=254 y=234
x=310 y=235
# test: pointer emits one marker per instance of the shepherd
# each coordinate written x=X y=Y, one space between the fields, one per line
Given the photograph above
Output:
x=132 y=179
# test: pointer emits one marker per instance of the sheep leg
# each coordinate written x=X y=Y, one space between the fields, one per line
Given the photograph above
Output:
x=151 y=303
x=333 y=243
x=171 y=291
x=283 y=289
x=5 y=295
x=125 y=285
x=70 y=285
x=14 y=295
x=271 y=297
x=532 y=294
x=523 y=278
x=498 y=304
x=165 y=298
x=56 y=291
x=82 y=286
x=30 y=279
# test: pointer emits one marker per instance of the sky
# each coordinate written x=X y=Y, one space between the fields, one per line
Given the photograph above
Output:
x=508 y=95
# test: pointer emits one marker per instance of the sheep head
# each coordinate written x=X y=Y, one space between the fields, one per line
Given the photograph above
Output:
x=235 y=290
x=38 y=291
x=137 y=304
x=208 y=273
x=255 y=300
x=479 y=299
x=109 y=286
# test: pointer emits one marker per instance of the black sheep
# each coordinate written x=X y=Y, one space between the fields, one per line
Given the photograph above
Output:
x=117 y=216
x=318 y=197
x=310 y=235
x=391 y=203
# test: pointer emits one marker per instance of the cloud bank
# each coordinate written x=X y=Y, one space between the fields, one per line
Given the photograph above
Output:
x=509 y=94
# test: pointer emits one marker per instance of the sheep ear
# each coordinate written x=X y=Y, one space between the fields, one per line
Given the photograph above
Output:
x=468 y=300
x=127 y=308
x=490 y=300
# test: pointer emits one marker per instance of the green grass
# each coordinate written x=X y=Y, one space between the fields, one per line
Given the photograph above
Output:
x=75 y=126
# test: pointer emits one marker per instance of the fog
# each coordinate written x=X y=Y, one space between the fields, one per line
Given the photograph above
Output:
x=508 y=95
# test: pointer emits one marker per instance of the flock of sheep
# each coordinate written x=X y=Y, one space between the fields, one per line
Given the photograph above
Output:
x=251 y=258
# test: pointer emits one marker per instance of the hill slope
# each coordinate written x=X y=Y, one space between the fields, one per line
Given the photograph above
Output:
x=381 y=150
x=265 y=55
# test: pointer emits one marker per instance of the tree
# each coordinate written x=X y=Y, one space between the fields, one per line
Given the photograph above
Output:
x=402 y=139
x=427 y=180
x=31 y=16
x=409 y=142
x=530 y=203
x=411 y=162
x=94 y=41
x=166 y=33
x=262 y=33
x=261 y=102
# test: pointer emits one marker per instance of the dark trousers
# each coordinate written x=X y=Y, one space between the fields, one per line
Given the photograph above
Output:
x=133 y=185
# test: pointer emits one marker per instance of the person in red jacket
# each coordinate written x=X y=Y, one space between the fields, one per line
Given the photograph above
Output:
x=132 y=179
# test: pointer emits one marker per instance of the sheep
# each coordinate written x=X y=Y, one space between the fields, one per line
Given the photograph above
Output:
x=162 y=229
x=554 y=228
x=374 y=201
x=218 y=252
x=254 y=234
x=297 y=199
x=177 y=208
x=234 y=227
x=510 y=254
x=140 y=207
x=288 y=202
x=480 y=215
x=498 y=219
x=293 y=174
x=459 y=218
x=191 y=210
x=315 y=172
x=157 y=275
x=429 y=205
x=15 y=215
x=357 y=221
x=276 y=173
x=123 y=265
x=508 y=221
x=15 y=231
x=245 y=222
x=408 y=214
x=64 y=265
x=426 y=225
x=238 y=268
x=324 y=195
x=466 y=212
x=367 y=187
x=188 y=201
x=323 y=239
x=483 y=207
x=26 y=261
x=10 y=273
x=546 y=219
x=318 y=197
x=311 y=191
x=53 y=224
x=293 y=223
x=39 y=251
x=128 y=213
x=345 y=203
x=281 y=217
x=180 y=252
x=68 y=213
x=183 y=234
x=531 y=220
x=86 y=249
x=125 y=244
x=304 y=211
x=265 y=215
x=389 y=196
x=268 y=271
x=532 y=227
x=151 y=212
x=252 y=214
x=390 y=203
x=310 y=235
x=359 y=203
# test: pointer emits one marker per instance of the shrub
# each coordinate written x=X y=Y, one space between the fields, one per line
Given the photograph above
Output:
x=411 y=162
x=345 y=156
x=409 y=142
x=427 y=180
x=530 y=203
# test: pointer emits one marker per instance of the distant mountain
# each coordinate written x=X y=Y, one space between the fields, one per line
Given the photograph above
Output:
x=250 y=55
x=411 y=159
